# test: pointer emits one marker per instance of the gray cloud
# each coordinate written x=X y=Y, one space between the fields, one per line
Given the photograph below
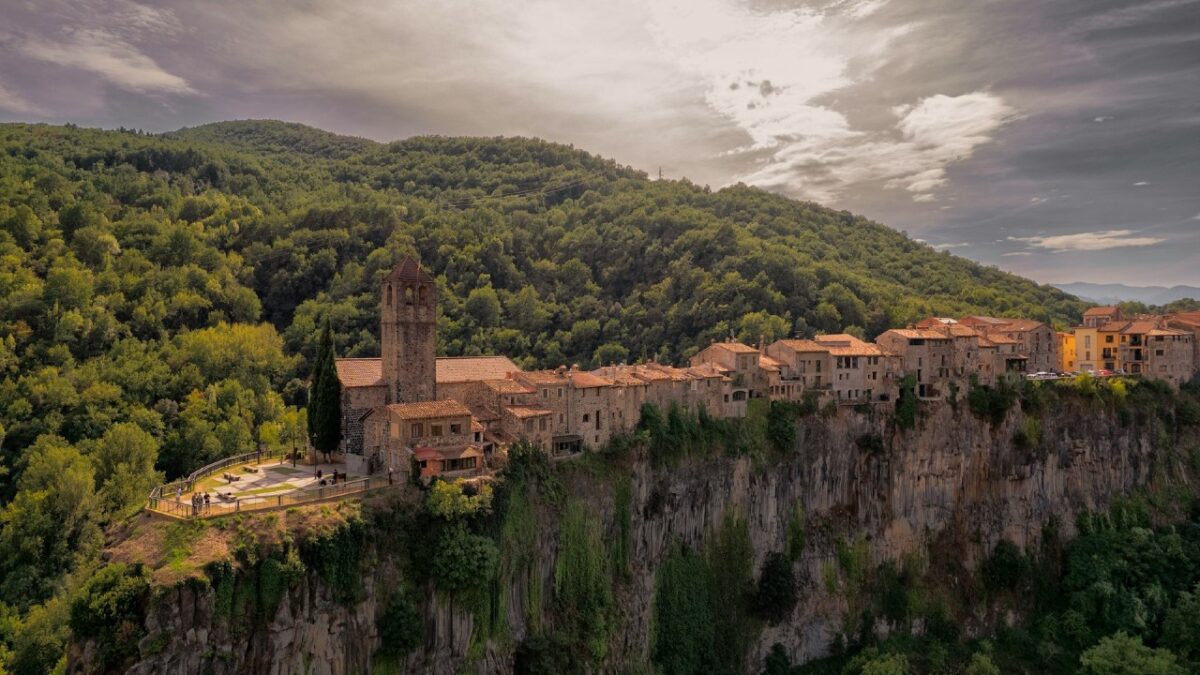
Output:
x=1022 y=133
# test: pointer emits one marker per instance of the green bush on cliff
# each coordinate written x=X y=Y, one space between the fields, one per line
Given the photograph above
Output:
x=683 y=622
x=399 y=626
x=906 y=403
x=776 y=593
x=463 y=562
x=583 y=580
x=108 y=609
x=337 y=558
x=1004 y=568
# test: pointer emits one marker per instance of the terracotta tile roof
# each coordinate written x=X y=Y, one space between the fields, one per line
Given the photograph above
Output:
x=768 y=363
x=581 y=379
x=522 y=411
x=621 y=375
x=1140 y=326
x=359 y=372
x=848 y=345
x=959 y=330
x=1107 y=310
x=935 y=322
x=1002 y=340
x=650 y=372
x=508 y=387
x=709 y=371
x=425 y=454
x=473 y=368
x=658 y=371
x=539 y=377
x=476 y=426
x=801 y=346
x=409 y=270
x=1168 y=331
x=735 y=347
x=428 y=409
x=1022 y=325
x=919 y=334
x=862 y=349
x=448 y=369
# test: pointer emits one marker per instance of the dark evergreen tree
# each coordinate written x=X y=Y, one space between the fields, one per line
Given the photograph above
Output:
x=324 y=398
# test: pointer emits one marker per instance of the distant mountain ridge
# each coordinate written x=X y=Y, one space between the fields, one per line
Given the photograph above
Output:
x=1114 y=293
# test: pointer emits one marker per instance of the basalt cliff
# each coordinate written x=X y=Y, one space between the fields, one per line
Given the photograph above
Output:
x=943 y=492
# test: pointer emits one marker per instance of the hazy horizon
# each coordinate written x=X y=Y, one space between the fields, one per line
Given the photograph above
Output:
x=1054 y=140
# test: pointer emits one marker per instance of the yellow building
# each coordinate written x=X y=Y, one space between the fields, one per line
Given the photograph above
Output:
x=1099 y=347
x=1066 y=352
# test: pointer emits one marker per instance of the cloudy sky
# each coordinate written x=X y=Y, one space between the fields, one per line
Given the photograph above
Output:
x=1059 y=139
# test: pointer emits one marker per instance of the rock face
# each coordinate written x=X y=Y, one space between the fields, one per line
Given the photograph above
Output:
x=954 y=481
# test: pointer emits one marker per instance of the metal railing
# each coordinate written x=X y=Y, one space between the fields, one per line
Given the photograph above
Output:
x=168 y=498
x=188 y=484
x=232 y=505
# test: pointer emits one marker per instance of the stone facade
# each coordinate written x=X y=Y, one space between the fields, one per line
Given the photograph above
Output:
x=567 y=409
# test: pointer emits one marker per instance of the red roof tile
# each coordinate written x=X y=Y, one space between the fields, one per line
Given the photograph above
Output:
x=359 y=372
x=428 y=409
x=522 y=411
x=474 y=368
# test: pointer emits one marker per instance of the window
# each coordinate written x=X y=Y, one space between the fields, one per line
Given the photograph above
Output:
x=415 y=430
x=456 y=428
x=586 y=417
x=542 y=424
x=435 y=430
x=560 y=392
x=408 y=295
x=389 y=295
x=545 y=393
x=529 y=426
x=421 y=297
x=1108 y=339
x=461 y=464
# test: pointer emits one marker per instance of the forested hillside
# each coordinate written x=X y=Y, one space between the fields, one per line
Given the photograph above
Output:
x=159 y=295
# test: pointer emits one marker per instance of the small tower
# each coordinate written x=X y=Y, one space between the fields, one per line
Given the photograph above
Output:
x=408 y=333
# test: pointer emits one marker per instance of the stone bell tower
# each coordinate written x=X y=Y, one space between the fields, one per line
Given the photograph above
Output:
x=408 y=333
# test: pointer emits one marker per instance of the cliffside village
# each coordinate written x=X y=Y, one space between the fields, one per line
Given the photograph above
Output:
x=453 y=414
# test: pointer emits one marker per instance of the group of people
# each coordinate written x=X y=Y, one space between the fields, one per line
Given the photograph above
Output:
x=332 y=480
x=200 y=502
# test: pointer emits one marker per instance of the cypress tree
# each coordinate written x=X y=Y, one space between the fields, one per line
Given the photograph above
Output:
x=325 y=398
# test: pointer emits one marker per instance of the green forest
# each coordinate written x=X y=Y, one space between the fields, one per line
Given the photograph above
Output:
x=160 y=297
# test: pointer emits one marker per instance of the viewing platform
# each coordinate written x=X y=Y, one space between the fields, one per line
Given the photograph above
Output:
x=260 y=481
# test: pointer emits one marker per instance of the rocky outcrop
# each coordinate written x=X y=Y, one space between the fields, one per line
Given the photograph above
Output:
x=954 y=482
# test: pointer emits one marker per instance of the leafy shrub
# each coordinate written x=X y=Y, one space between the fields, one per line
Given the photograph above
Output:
x=1004 y=568
x=399 y=626
x=776 y=595
x=906 y=403
x=683 y=622
x=463 y=561
x=108 y=609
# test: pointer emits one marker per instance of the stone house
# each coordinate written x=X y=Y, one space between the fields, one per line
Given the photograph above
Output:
x=1170 y=355
x=1189 y=322
x=439 y=434
x=860 y=369
x=1038 y=341
x=1094 y=317
x=740 y=362
x=925 y=353
x=803 y=362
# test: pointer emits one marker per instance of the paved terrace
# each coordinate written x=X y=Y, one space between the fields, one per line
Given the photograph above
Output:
x=257 y=482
